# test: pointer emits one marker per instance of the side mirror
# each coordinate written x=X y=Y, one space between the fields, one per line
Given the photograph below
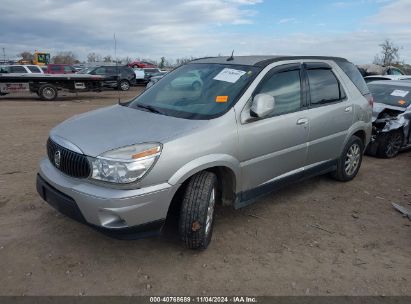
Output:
x=263 y=105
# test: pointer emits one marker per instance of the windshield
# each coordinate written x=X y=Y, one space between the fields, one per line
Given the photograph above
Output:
x=197 y=91
x=393 y=95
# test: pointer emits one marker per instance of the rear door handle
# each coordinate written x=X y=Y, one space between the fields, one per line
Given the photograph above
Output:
x=348 y=109
x=302 y=121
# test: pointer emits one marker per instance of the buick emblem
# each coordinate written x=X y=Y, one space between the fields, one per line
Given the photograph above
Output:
x=57 y=158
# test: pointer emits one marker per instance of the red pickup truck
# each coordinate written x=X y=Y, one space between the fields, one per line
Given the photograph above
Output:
x=60 y=69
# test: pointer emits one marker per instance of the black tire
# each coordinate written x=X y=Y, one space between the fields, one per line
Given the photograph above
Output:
x=352 y=154
x=194 y=211
x=48 y=92
x=390 y=143
x=124 y=85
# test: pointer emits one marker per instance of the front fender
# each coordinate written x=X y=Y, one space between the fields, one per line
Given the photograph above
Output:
x=205 y=162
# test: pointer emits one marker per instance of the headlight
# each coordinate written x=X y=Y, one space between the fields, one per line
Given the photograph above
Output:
x=125 y=165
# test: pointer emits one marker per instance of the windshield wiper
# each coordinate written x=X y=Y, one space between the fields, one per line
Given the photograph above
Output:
x=149 y=108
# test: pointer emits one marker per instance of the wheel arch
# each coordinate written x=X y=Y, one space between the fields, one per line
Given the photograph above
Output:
x=226 y=167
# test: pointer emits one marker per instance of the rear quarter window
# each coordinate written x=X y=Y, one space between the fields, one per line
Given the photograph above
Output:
x=354 y=74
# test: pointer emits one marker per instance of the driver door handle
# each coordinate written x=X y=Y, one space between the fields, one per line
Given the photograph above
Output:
x=302 y=121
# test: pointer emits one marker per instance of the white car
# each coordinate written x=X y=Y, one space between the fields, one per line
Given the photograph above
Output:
x=21 y=69
x=386 y=77
x=191 y=79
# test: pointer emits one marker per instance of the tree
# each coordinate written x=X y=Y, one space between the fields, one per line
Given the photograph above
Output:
x=389 y=54
x=162 y=62
x=93 y=57
x=64 y=58
x=107 y=58
x=26 y=56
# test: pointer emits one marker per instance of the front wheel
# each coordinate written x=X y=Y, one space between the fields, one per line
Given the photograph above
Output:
x=390 y=144
x=350 y=160
x=197 y=210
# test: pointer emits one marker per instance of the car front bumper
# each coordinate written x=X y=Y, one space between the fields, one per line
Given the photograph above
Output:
x=119 y=213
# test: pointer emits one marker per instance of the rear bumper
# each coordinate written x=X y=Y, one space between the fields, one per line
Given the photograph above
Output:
x=119 y=213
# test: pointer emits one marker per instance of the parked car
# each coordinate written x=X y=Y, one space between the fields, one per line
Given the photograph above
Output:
x=54 y=68
x=257 y=123
x=149 y=72
x=79 y=67
x=117 y=77
x=140 y=76
x=391 y=131
x=155 y=77
x=141 y=64
x=188 y=80
x=22 y=69
x=386 y=77
x=379 y=70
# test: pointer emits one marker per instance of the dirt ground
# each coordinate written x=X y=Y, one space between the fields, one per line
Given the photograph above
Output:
x=319 y=237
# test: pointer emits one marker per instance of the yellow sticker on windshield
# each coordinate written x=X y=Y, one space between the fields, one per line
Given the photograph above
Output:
x=221 y=99
x=402 y=102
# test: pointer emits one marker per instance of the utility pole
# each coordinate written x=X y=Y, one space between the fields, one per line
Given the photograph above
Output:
x=4 y=55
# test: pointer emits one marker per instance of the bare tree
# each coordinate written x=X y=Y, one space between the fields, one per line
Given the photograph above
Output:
x=107 y=58
x=93 y=57
x=64 y=58
x=162 y=62
x=389 y=54
x=26 y=56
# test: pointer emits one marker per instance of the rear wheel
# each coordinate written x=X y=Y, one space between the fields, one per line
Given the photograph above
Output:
x=124 y=85
x=197 y=210
x=350 y=160
x=390 y=144
x=47 y=92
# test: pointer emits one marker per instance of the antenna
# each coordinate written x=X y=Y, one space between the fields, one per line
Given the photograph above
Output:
x=118 y=76
x=231 y=57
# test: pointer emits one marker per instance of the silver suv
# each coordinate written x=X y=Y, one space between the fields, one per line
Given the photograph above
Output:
x=214 y=131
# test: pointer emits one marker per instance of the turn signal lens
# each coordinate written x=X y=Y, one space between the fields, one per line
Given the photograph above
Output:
x=146 y=153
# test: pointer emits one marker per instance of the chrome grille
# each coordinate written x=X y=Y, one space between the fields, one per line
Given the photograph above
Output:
x=69 y=162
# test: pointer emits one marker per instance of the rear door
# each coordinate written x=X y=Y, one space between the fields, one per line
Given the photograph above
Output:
x=276 y=146
x=330 y=114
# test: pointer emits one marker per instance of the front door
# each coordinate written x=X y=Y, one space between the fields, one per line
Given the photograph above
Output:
x=275 y=146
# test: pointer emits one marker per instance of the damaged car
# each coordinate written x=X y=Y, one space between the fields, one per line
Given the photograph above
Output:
x=391 y=118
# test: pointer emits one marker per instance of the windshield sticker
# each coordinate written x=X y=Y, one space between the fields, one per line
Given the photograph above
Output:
x=400 y=93
x=229 y=75
x=221 y=98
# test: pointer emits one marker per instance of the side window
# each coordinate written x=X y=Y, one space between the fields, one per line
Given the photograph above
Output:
x=100 y=71
x=34 y=69
x=56 y=68
x=17 y=69
x=68 y=69
x=285 y=87
x=324 y=87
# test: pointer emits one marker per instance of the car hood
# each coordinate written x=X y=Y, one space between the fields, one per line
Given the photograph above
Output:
x=118 y=126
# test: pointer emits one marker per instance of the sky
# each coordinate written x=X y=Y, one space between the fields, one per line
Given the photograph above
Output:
x=183 y=28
